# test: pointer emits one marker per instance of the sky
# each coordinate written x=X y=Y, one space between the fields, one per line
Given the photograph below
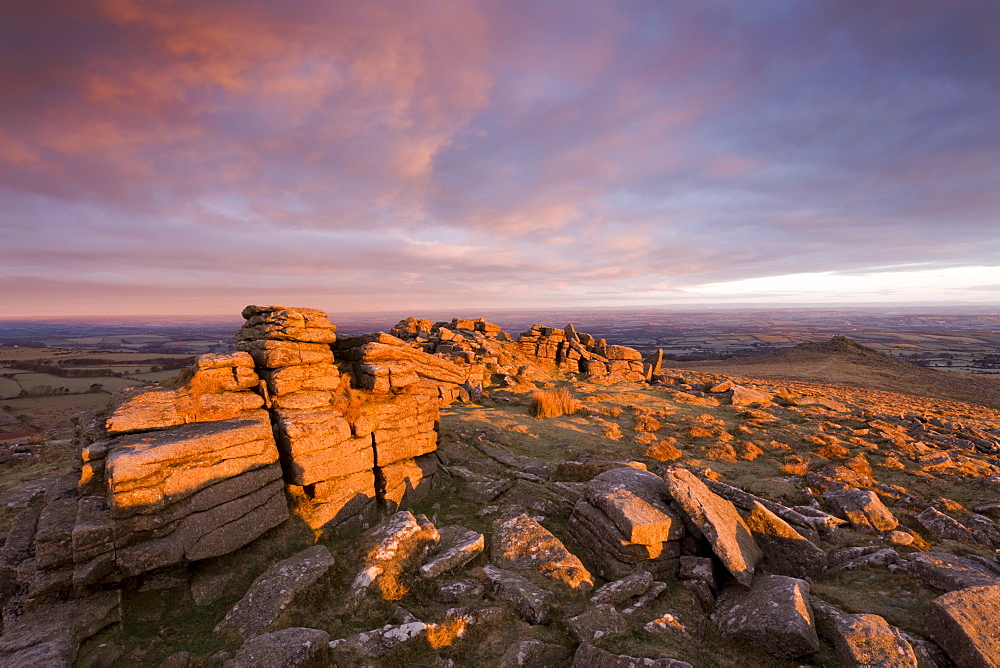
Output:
x=194 y=156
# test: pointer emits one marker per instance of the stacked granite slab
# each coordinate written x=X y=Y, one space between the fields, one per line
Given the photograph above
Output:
x=572 y=351
x=404 y=438
x=327 y=458
x=623 y=525
x=383 y=363
x=173 y=476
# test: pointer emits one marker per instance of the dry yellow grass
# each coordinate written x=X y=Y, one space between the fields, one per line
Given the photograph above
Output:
x=553 y=403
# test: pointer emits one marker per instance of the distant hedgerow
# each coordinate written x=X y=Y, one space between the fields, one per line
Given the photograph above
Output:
x=553 y=403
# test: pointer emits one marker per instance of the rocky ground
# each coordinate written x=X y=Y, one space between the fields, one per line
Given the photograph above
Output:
x=699 y=519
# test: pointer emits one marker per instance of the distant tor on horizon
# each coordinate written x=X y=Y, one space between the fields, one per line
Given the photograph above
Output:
x=843 y=361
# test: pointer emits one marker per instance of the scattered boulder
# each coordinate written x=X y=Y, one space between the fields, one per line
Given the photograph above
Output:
x=532 y=603
x=387 y=551
x=533 y=654
x=863 y=640
x=599 y=621
x=275 y=592
x=622 y=590
x=773 y=615
x=292 y=648
x=588 y=656
x=963 y=622
x=716 y=519
x=379 y=641
x=862 y=508
x=521 y=542
x=786 y=551
x=948 y=572
x=457 y=547
x=941 y=525
x=52 y=634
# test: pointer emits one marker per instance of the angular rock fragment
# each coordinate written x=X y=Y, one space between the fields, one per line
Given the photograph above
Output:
x=532 y=603
x=941 y=525
x=862 y=508
x=458 y=546
x=379 y=641
x=786 y=551
x=622 y=590
x=388 y=550
x=717 y=519
x=599 y=621
x=963 y=622
x=296 y=647
x=275 y=592
x=521 y=542
x=773 y=615
x=533 y=654
x=948 y=572
x=588 y=656
x=863 y=640
x=52 y=634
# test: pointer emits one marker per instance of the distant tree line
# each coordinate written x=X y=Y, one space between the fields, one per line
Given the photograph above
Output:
x=59 y=367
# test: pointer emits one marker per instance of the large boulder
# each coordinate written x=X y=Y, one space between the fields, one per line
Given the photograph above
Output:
x=588 y=656
x=786 y=551
x=863 y=640
x=964 y=623
x=948 y=572
x=275 y=592
x=458 y=546
x=402 y=541
x=532 y=603
x=718 y=520
x=773 y=615
x=862 y=508
x=521 y=542
x=296 y=647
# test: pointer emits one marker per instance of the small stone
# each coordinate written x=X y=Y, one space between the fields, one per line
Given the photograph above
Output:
x=289 y=648
x=533 y=654
x=532 y=603
x=622 y=590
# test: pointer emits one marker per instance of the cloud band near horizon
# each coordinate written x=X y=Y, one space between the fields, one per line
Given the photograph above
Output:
x=191 y=157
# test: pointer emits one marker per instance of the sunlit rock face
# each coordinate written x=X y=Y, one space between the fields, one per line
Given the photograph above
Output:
x=209 y=464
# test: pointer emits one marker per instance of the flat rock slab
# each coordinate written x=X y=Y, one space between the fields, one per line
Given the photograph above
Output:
x=622 y=590
x=786 y=551
x=458 y=546
x=533 y=654
x=380 y=641
x=51 y=634
x=588 y=656
x=532 y=603
x=774 y=616
x=862 y=508
x=944 y=526
x=521 y=542
x=296 y=647
x=964 y=623
x=948 y=572
x=863 y=640
x=275 y=591
x=148 y=471
x=599 y=621
x=388 y=551
x=718 y=520
x=641 y=520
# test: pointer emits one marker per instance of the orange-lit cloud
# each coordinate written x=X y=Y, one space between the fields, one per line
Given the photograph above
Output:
x=182 y=156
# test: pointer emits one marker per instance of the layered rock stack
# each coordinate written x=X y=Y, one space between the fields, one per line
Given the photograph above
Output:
x=572 y=351
x=481 y=342
x=624 y=525
x=346 y=453
x=173 y=475
x=385 y=364
x=327 y=458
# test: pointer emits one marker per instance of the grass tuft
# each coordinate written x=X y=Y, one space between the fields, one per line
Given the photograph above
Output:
x=553 y=403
